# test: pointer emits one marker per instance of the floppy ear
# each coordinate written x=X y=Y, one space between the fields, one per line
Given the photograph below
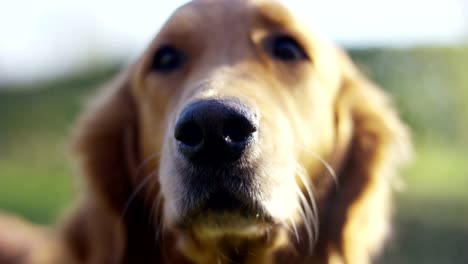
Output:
x=106 y=143
x=372 y=143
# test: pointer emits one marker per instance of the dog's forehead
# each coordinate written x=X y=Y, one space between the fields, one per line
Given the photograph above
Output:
x=202 y=14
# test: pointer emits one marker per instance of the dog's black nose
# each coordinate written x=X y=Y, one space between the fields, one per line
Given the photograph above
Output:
x=215 y=131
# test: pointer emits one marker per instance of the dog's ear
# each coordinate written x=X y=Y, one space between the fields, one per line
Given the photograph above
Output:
x=111 y=224
x=372 y=142
x=105 y=142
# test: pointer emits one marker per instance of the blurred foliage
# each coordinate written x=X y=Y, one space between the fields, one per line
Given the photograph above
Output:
x=35 y=123
x=429 y=86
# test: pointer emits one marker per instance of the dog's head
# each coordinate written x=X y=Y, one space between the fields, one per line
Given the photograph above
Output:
x=234 y=95
x=236 y=116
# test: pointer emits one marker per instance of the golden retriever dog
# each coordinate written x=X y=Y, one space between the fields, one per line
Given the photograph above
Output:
x=239 y=136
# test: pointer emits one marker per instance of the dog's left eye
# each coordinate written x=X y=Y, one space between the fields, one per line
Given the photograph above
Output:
x=287 y=49
x=167 y=59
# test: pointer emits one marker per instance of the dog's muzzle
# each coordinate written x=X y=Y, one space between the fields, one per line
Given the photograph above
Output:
x=215 y=141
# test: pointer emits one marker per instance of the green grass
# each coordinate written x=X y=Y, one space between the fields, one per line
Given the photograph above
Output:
x=439 y=172
x=34 y=184
x=35 y=124
x=429 y=85
x=432 y=213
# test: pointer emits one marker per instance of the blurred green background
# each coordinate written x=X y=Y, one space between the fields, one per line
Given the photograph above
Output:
x=430 y=87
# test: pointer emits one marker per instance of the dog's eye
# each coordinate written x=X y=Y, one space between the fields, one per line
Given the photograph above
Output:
x=167 y=59
x=287 y=49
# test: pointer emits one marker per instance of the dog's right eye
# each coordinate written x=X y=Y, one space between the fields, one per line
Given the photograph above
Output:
x=287 y=49
x=167 y=59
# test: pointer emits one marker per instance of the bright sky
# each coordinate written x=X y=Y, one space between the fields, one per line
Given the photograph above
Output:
x=40 y=39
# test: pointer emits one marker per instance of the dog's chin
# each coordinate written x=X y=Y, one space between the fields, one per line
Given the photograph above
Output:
x=225 y=213
x=213 y=221
x=216 y=224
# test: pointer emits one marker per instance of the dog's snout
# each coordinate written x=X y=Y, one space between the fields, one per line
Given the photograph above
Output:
x=215 y=131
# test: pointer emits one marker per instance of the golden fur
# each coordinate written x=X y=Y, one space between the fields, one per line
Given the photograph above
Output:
x=325 y=130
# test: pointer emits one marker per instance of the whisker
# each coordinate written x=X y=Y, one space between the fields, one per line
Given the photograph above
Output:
x=328 y=167
x=222 y=255
x=287 y=226
x=145 y=162
x=302 y=174
x=293 y=224
x=134 y=194
x=306 y=223
x=309 y=206
x=308 y=212
x=155 y=209
x=142 y=184
x=155 y=203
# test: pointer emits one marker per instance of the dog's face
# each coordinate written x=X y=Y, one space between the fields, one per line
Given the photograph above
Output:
x=233 y=131
x=233 y=96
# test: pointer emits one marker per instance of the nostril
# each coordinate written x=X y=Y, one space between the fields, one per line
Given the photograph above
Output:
x=211 y=132
x=238 y=130
x=190 y=134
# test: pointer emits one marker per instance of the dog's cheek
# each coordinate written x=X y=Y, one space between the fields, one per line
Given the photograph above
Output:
x=169 y=184
x=277 y=174
x=283 y=201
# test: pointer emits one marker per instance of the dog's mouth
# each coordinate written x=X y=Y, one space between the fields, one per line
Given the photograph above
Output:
x=221 y=200
x=224 y=210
